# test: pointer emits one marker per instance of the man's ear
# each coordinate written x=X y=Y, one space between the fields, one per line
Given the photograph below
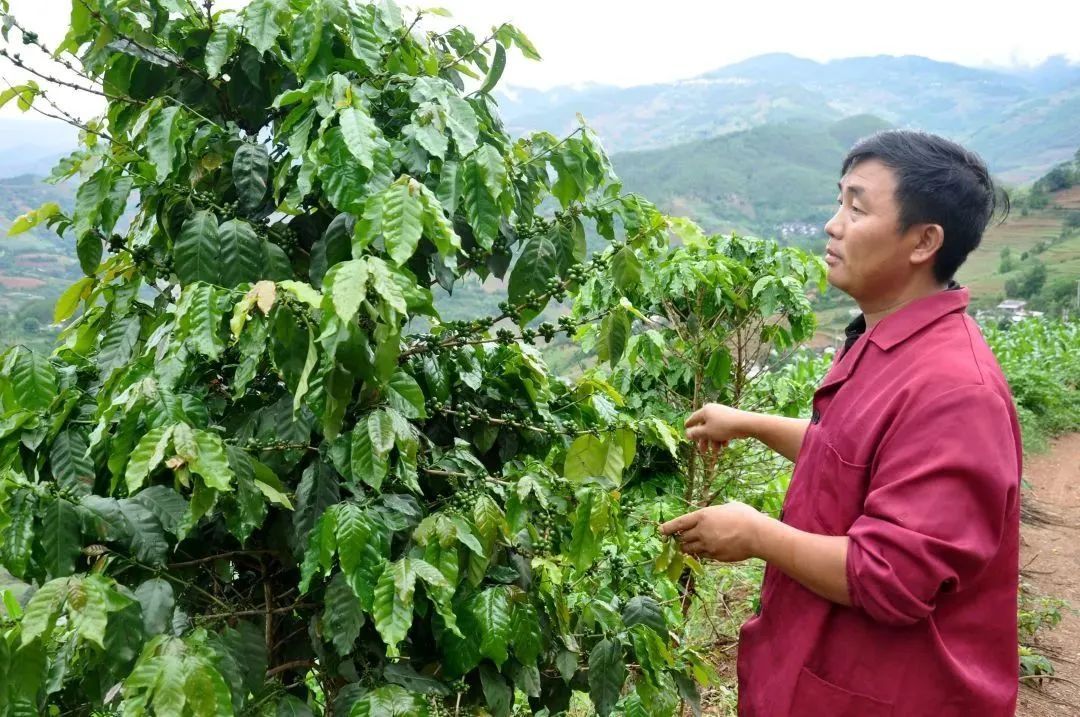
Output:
x=929 y=239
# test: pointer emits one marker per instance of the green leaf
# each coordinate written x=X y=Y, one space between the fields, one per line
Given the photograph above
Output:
x=404 y=674
x=347 y=286
x=644 y=610
x=168 y=506
x=162 y=139
x=381 y=430
x=439 y=228
x=206 y=691
x=322 y=544
x=43 y=610
x=359 y=131
x=614 y=333
x=498 y=693
x=302 y=385
x=290 y=706
x=364 y=41
x=525 y=634
x=89 y=249
x=626 y=269
x=334 y=246
x=69 y=300
x=593 y=456
x=89 y=200
x=402 y=219
x=71 y=466
x=492 y=610
x=145 y=535
x=219 y=48
x=211 y=461
x=719 y=367
x=306 y=36
x=118 y=343
x=157 y=601
x=463 y=124
x=343 y=178
x=406 y=396
x=393 y=607
x=428 y=128
x=478 y=195
x=535 y=266
x=199 y=315
x=261 y=24
x=585 y=542
x=197 y=250
x=383 y=278
x=148 y=454
x=498 y=64
x=523 y=43
x=607 y=673
x=367 y=464
x=33 y=380
x=243 y=253
x=343 y=616
x=389 y=701
x=363 y=548
x=251 y=171
x=449 y=189
x=61 y=539
x=116 y=202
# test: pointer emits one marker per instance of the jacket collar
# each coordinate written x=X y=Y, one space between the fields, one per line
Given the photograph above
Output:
x=895 y=329
x=904 y=323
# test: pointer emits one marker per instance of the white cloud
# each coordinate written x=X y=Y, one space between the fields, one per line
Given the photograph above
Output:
x=623 y=43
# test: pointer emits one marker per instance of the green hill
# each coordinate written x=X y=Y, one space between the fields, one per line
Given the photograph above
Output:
x=777 y=179
x=1022 y=121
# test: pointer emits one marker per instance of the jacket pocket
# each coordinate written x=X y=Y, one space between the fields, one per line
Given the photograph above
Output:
x=840 y=491
x=815 y=697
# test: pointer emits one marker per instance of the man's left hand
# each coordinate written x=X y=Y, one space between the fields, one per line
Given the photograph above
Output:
x=722 y=532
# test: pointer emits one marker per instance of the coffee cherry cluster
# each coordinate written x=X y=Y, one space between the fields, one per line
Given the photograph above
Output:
x=436 y=707
x=462 y=501
x=546 y=528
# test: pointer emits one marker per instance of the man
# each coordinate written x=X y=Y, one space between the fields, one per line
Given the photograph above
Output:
x=891 y=577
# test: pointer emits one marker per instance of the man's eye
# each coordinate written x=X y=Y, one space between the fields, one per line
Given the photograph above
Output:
x=856 y=209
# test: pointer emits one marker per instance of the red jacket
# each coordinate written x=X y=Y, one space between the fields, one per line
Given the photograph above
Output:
x=914 y=453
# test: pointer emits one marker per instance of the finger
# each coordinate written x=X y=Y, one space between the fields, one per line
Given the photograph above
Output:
x=680 y=524
x=703 y=445
x=694 y=547
x=695 y=433
x=695 y=418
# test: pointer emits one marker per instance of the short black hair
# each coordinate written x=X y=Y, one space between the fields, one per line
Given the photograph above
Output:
x=937 y=182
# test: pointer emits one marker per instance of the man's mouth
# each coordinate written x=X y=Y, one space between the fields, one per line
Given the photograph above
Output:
x=831 y=257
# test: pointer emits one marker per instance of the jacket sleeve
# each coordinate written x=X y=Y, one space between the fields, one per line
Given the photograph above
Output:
x=941 y=489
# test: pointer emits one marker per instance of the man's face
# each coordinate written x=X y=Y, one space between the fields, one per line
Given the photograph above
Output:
x=866 y=253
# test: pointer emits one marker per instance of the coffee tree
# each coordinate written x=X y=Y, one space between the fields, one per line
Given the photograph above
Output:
x=707 y=319
x=258 y=474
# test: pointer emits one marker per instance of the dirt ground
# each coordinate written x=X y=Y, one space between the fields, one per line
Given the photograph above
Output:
x=1050 y=558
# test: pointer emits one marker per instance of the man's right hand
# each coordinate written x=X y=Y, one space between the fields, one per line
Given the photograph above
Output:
x=714 y=424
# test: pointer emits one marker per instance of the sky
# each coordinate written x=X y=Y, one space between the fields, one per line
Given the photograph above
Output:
x=623 y=43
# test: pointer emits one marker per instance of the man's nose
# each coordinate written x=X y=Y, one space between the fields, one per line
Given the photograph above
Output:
x=832 y=227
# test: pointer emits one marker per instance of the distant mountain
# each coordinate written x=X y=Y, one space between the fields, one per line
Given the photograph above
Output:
x=777 y=179
x=1022 y=121
x=33 y=146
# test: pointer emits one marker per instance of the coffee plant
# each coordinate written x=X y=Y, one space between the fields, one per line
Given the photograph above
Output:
x=706 y=320
x=258 y=474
